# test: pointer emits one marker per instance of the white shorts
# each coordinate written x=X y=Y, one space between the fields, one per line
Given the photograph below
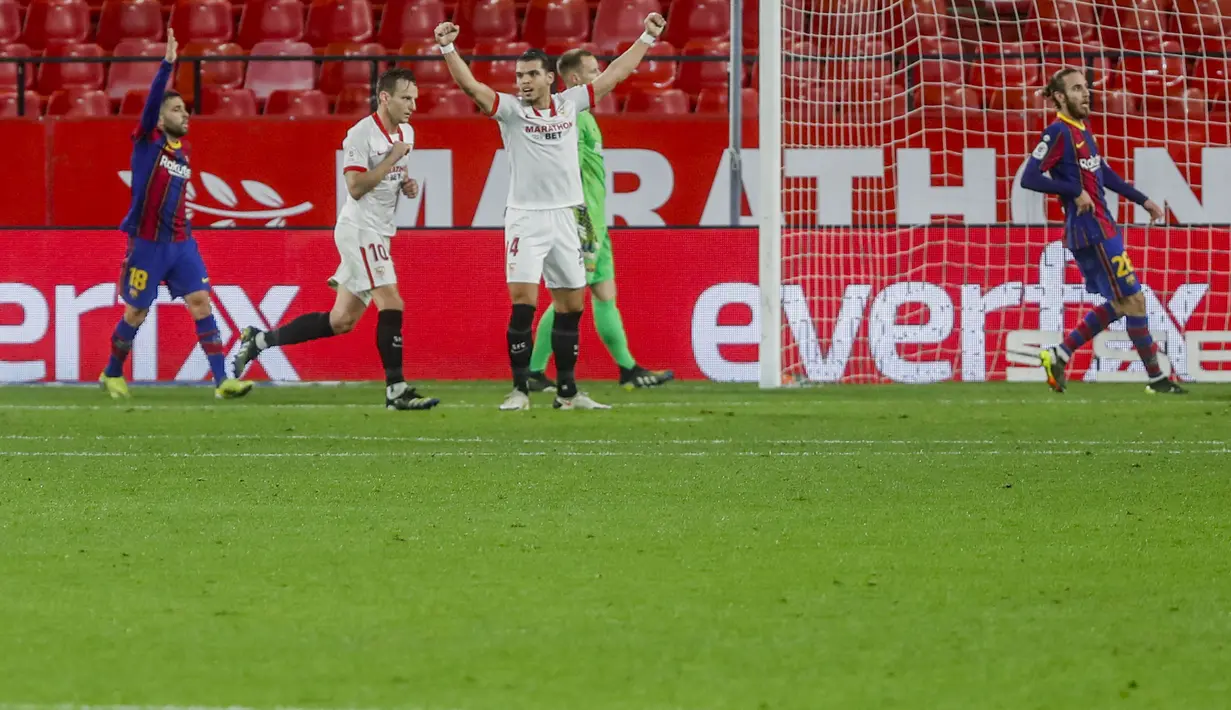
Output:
x=543 y=244
x=366 y=261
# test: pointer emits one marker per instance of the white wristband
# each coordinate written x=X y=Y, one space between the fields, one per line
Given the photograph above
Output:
x=447 y=48
x=648 y=38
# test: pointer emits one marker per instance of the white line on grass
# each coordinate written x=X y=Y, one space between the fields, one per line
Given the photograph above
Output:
x=584 y=442
x=574 y=454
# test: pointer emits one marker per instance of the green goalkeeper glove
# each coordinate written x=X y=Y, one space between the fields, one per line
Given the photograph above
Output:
x=589 y=239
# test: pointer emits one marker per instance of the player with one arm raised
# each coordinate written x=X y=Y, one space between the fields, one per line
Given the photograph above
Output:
x=546 y=226
x=376 y=155
x=579 y=67
x=1078 y=175
x=160 y=244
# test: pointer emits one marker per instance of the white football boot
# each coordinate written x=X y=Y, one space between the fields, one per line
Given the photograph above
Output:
x=516 y=401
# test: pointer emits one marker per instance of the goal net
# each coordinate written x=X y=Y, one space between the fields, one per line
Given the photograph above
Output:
x=896 y=243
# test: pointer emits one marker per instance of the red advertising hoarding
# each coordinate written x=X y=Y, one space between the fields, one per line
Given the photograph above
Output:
x=666 y=171
x=859 y=305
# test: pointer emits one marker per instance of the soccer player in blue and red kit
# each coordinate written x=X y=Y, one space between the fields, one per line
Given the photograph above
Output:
x=1078 y=175
x=160 y=244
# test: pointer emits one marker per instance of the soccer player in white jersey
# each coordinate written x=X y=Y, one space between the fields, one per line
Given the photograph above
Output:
x=546 y=228
x=375 y=165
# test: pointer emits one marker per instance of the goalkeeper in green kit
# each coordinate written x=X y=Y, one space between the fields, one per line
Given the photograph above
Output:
x=579 y=67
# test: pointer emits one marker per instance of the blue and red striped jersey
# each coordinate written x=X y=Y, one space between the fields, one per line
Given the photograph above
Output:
x=1067 y=150
x=160 y=175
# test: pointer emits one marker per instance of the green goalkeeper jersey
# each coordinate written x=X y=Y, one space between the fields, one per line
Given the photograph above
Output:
x=593 y=171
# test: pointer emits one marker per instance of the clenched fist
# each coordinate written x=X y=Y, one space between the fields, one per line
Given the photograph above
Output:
x=654 y=24
x=446 y=32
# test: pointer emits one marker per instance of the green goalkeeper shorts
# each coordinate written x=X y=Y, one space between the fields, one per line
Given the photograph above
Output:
x=604 y=265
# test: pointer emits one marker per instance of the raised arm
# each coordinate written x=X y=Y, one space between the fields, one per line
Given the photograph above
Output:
x=153 y=102
x=626 y=63
x=1044 y=158
x=481 y=93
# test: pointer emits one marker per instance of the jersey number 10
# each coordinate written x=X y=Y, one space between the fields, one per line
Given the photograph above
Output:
x=379 y=252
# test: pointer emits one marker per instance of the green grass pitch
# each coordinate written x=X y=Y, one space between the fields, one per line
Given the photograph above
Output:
x=700 y=547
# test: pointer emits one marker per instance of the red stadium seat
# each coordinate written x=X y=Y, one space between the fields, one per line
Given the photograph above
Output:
x=1203 y=25
x=1115 y=103
x=718 y=101
x=338 y=21
x=489 y=20
x=1091 y=57
x=297 y=104
x=8 y=72
x=1188 y=103
x=651 y=73
x=125 y=76
x=609 y=105
x=427 y=73
x=446 y=102
x=1211 y=75
x=10 y=21
x=1008 y=81
x=124 y=19
x=937 y=76
x=841 y=18
x=1062 y=21
x=500 y=74
x=556 y=21
x=354 y=101
x=697 y=19
x=222 y=101
x=83 y=75
x=556 y=48
x=404 y=21
x=201 y=21
x=1153 y=76
x=8 y=105
x=78 y=102
x=213 y=73
x=664 y=102
x=697 y=76
x=336 y=76
x=264 y=78
x=133 y=102
x=55 y=21
x=1135 y=24
x=267 y=20
x=621 y=21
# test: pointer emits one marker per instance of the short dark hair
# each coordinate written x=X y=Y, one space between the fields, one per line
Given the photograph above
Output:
x=388 y=82
x=570 y=61
x=1055 y=85
x=537 y=55
x=171 y=95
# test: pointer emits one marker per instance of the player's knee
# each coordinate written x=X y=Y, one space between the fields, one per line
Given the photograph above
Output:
x=1134 y=305
x=135 y=316
x=342 y=321
x=198 y=304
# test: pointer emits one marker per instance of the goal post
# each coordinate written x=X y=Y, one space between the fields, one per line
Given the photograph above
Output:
x=769 y=179
x=895 y=241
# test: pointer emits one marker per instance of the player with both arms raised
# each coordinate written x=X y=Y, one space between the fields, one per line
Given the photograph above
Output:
x=375 y=165
x=546 y=227
x=1078 y=176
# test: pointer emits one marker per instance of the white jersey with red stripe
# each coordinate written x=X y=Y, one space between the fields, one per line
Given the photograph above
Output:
x=367 y=144
x=545 y=171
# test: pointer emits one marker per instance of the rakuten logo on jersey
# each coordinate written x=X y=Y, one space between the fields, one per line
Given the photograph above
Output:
x=1091 y=164
x=826 y=356
x=65 y=307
